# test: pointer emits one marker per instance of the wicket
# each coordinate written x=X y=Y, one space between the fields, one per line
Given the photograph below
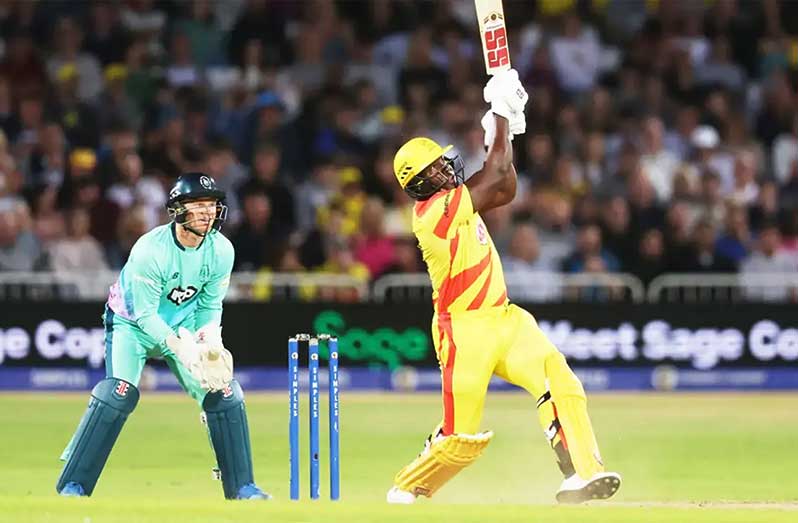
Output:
x=293 y=410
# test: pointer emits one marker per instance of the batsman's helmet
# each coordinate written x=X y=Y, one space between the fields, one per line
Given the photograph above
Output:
x=414 y=157
x=195 y=186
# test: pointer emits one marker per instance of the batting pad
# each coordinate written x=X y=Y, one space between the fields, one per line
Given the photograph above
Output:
x=226 y=417
x=441 y=461
x=112 y=400
x=569 y=399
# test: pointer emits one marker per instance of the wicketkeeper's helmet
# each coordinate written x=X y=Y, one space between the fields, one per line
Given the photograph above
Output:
x=195 y=186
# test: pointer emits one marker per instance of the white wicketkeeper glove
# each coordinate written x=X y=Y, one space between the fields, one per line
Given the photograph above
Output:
x=517 y=126
x=217 y=362
x=187 y=352
x=506 y=94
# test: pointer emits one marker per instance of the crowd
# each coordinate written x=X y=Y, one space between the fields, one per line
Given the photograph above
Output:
x=662 y=136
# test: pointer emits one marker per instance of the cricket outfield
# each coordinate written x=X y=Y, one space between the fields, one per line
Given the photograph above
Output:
x=683 y=457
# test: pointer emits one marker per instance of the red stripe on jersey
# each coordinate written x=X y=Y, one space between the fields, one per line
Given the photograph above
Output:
x=483 y=292
x=501 y=299
x=423 y=206
x=453 y=244
x=449 y=212
x=453 y=287
x=445 y=330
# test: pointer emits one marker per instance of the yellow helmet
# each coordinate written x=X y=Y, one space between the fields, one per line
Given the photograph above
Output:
x=414 y=156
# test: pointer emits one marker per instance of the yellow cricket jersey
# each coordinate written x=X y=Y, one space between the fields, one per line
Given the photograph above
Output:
x=462 y=261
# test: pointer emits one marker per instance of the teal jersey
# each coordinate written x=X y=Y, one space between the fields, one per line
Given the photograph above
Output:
x=164 y=285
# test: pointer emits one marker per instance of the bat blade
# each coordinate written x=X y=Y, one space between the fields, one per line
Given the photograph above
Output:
x=493 y=33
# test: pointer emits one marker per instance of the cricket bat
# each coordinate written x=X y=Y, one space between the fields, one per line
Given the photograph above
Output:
x=493 y=33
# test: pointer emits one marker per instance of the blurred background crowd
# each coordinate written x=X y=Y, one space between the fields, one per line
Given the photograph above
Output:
x=662 y=136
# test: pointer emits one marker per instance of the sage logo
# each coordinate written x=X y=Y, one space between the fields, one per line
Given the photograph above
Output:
x=381 y=347
x=178 y=295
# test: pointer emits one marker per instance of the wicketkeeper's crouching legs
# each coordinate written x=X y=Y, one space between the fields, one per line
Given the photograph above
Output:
x=112 y=401
x=226 y=419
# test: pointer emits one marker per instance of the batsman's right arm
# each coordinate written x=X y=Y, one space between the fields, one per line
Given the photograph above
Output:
x=495 y=184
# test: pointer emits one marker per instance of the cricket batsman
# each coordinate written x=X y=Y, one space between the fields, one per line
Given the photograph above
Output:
x=476 y=331
x=167 y=304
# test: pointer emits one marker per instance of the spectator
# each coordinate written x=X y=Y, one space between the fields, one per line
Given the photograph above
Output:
x=107 y=39
x=182 y=72
x=617 y=231
x=590 y=249
x=575 y=55
x=341 y=261
x=133 y=188
x=205 y=39
x=265 y=176
x=316 y=193
x=705 y=256
x=767 y=260
x=766 y=207
x=229 y=175
x=104 y=215
x=79 y=251
x=651 y=260
x=529 y=279
x=351 y=197
x=745 y=189
x=371 y=245
x=785 y=154
x=258 y=239
x=118 y=105
x=659 y=165
x=711 y=205
x=23 y=66
x=735 y=243
x=67 y=42
x=77 y=117
x=407 y=256
x=20 y=250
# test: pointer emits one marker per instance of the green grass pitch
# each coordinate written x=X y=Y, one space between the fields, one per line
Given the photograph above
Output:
x=683 y=457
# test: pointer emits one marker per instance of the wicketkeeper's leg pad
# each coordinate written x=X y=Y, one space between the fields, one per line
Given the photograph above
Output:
x=226 y=417
x=112 y=400
x=441 y=460
x=569 y=399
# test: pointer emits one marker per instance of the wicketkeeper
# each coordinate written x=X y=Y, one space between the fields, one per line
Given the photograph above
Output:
x=477 y=332
x=167 y=304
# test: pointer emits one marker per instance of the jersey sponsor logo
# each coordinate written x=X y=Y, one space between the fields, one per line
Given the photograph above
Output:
x=179 y=295
x=121 y=389
x=482 y=234
x=175 y=275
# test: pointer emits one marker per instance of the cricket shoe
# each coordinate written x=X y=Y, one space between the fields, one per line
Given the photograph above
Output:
x=400 y=497
x=577 y=490
x=251 y=491
x=72 y=490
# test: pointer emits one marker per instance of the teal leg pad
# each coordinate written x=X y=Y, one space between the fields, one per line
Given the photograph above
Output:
x=226 y=416
x=112 y=400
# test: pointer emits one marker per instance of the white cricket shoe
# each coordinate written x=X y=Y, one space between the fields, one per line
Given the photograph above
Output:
x=400 y=497
x=574 y=489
